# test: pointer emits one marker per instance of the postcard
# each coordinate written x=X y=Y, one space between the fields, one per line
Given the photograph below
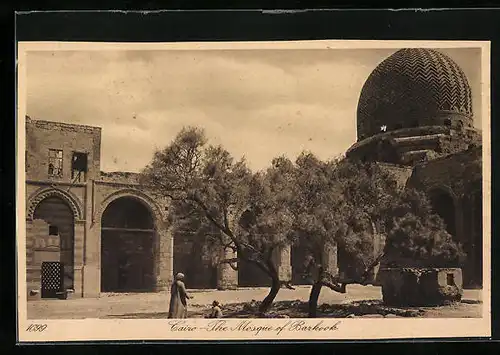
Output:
x=326 y=190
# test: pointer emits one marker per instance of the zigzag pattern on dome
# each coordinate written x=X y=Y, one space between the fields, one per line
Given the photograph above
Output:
x=409 y=82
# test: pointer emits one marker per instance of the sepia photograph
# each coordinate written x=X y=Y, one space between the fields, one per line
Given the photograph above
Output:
x=253 y=190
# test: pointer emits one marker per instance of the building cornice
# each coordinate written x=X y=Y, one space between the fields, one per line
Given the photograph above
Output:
x=55 y=183
x=117 y=183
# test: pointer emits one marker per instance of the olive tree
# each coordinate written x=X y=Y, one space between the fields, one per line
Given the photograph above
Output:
x=206 y=181
x=336 y=203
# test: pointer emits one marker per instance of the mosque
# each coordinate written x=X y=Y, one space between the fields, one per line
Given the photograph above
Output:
x=414 y=117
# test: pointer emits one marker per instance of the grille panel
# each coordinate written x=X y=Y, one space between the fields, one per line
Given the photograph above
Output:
x=52 y=279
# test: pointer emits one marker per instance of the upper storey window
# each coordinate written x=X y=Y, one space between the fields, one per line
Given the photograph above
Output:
x=55 y=162
x=79 y=167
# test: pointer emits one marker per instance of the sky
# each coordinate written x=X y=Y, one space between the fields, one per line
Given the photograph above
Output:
x=256 y=103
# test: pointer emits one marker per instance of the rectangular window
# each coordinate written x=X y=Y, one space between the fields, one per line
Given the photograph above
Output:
x=55 y=162
x=53 y=230
x=79 y=167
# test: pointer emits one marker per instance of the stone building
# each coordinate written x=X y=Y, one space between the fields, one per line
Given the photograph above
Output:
x=414 y=118
x=110 y=233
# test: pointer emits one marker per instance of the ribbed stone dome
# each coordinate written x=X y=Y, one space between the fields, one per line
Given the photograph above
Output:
x=414 y=87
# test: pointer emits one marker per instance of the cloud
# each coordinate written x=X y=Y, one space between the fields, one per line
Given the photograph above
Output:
x=255 y=103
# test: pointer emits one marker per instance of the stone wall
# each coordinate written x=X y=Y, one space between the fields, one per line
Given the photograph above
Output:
x=458 y=176
x=227 y=276
x=73 y=196
x=400 y=173
x=282 y=258
x=34 y=229
x=405 y=132
x=420 y=286
x=119 y=176
x=102 y=194
x=195 y=263
x=460 y=172
x=89 y=200
x=35 y=189
x=44 y=135
x=412 y=146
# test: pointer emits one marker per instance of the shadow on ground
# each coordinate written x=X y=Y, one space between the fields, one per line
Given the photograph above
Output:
x=298 y=309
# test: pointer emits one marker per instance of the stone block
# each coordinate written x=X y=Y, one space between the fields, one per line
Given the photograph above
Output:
x=43 y=135
x=282 y=259
x=91 y=281
x=227 y=277
x=78 y=283
x=330 y=259
x=421 y=286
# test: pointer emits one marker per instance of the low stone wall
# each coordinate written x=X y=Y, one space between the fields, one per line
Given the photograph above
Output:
x=421 y=286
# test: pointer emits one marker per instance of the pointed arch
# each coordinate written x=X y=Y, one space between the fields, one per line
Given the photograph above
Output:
x=40 y=195
x=441 y=197
x=148 y=201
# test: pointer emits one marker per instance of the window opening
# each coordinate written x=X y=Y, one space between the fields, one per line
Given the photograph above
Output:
x=79 y=167
x=53 y=230
x=450 y=279
x=55 y=162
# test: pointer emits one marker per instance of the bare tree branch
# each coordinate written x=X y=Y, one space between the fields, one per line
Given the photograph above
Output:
x=211 y=218
x=186 y=216
x=226 y=220
x=232 y=262
x=228 y=261
x=231 y=246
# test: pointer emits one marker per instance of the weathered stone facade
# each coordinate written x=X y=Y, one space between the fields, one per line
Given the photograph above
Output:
x=429 y=144
x=83 y=202
x=87 y=199
x=454 y=185
x=415 y=119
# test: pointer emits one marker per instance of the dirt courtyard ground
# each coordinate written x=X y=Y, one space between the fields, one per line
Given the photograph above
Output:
x=359 y=301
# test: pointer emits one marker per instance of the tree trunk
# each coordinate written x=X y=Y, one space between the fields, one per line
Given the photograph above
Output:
x=313 y=298
x=268 y=301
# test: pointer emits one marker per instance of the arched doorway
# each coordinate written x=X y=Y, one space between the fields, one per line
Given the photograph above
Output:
x=193 y=259
x=443 y=205
x=54 y=236
x=127 y=247
x=249 y=275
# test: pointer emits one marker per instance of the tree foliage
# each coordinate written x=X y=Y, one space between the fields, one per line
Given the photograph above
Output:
x=342 y=202
x=417 y=237
x=309 y=202
x=205 y=181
